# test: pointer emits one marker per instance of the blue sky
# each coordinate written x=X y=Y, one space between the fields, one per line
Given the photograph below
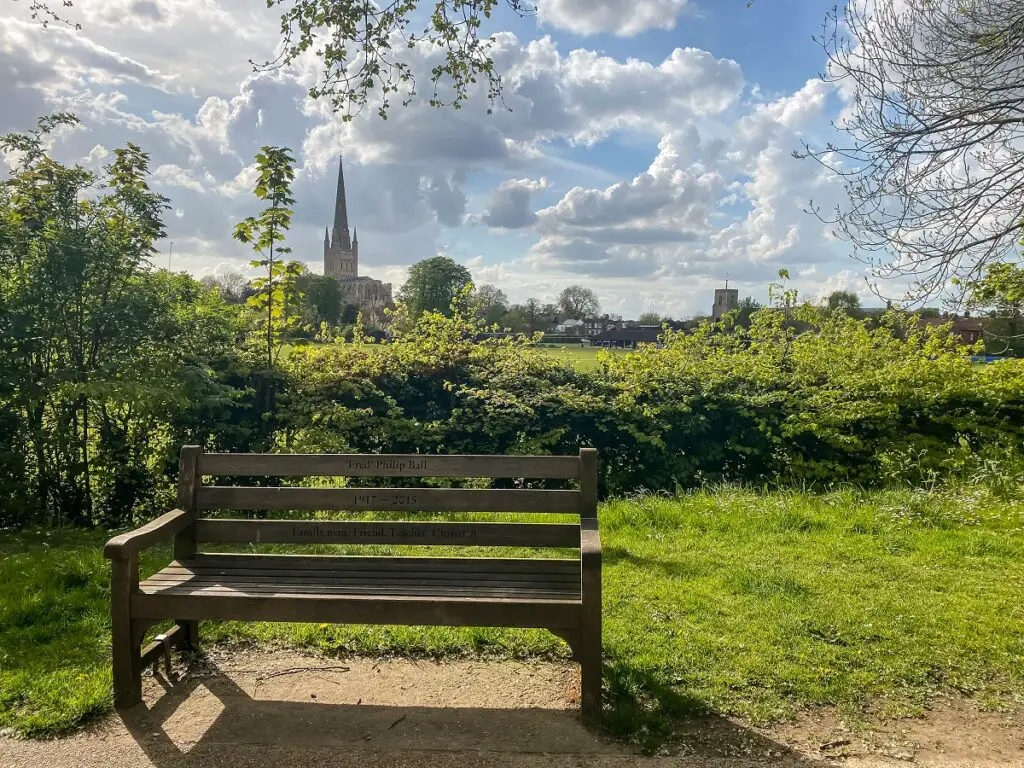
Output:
x=647 y=153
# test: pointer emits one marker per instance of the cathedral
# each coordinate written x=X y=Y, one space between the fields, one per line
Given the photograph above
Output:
x=341 y=261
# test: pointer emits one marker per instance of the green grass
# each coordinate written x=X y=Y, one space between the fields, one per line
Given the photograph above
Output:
x=581 y=358
x=733 y=602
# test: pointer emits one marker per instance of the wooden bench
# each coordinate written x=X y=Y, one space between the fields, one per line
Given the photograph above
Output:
x=559 y=594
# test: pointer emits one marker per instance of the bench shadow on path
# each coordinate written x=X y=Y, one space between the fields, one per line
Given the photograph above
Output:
x=201 y=716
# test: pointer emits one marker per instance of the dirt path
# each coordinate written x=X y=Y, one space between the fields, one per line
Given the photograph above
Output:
x=292 y=711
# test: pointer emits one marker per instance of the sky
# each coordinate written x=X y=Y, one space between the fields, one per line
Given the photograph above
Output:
x=644 y=148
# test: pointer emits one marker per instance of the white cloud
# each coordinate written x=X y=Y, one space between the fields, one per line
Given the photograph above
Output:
x=720 y=194
x=510 y=206
x=619 y=17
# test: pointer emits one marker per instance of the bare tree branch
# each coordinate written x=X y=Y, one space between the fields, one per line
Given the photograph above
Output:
x=933 y=162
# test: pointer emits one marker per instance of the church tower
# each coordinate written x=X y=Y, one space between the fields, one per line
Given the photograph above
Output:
x=341 y=252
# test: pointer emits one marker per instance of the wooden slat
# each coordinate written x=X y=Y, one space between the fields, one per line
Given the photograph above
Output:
x=176 y=636
x=316 y=577
x=363 y=609
x=321 y=562
x=404 y=591
x=504 y=593
x=385 y=585
x=314 y=586
x=387 y=499
x=335 y=532
x=387 y=465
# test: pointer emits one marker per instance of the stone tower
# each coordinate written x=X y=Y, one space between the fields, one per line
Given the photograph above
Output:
x=726 y=300
x=341 y=252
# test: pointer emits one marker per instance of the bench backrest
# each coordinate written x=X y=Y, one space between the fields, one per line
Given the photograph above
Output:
x=197 y=497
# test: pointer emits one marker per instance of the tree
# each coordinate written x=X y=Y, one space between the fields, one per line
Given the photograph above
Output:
x=844 y=301
x=1000 y=294
x=358 y=45
x=515 y=319
x=533 y=311
x=933 y=161
x=102 y=356
x=322 y=299
x=550 y=316
x=577 y=302
x=490 y=304
x=649 y=318
x=434 y=285
x=745 y=310
x=278 y=304
x=232 y=285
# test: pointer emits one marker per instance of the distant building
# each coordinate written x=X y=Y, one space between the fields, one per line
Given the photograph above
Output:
x=341 y=261
x=629 y=338
x=597 y=325
x=967 y=330
x=726 y=300
x=570 y=326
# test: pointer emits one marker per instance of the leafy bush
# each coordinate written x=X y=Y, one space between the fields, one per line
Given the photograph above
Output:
x=842 y=402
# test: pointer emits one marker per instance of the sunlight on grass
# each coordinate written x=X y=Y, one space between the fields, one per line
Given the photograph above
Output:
x=735 y=602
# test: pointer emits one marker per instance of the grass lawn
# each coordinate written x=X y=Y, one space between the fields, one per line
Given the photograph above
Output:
x=733 y=601
x=581 y=358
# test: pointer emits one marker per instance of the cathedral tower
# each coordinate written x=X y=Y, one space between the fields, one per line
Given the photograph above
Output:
x=341 y=252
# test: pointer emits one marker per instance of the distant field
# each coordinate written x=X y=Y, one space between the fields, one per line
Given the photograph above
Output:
x=581 y=358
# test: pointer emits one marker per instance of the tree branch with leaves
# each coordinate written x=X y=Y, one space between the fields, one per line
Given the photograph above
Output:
x=277 y=297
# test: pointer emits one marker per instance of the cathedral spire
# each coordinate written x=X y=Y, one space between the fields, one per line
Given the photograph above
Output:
x=340 y=234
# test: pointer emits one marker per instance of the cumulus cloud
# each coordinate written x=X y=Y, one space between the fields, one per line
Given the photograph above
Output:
x=720 y=194
x=510 y=206
x=710 y=208
x=619 y=17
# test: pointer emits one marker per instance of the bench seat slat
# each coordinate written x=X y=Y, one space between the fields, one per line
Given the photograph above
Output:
x=319 y=577
x=387 y=499
x=359 y=589
x=478 y=611
x=355 y=562
x=437 y=577
x=387 y=465
x=357 y=586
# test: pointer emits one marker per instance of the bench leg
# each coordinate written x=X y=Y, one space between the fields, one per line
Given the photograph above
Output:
x=191 y=629
x=125 y=638
x=589 y=652
x=590 y=666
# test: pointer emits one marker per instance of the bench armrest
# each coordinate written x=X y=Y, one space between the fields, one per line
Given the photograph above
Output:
x=126 y=545
x=590 y=543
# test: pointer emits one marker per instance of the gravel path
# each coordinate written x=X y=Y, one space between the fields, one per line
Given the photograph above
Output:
x=285 y=710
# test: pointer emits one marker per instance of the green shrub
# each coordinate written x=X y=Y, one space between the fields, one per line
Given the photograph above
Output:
x=843 y=401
